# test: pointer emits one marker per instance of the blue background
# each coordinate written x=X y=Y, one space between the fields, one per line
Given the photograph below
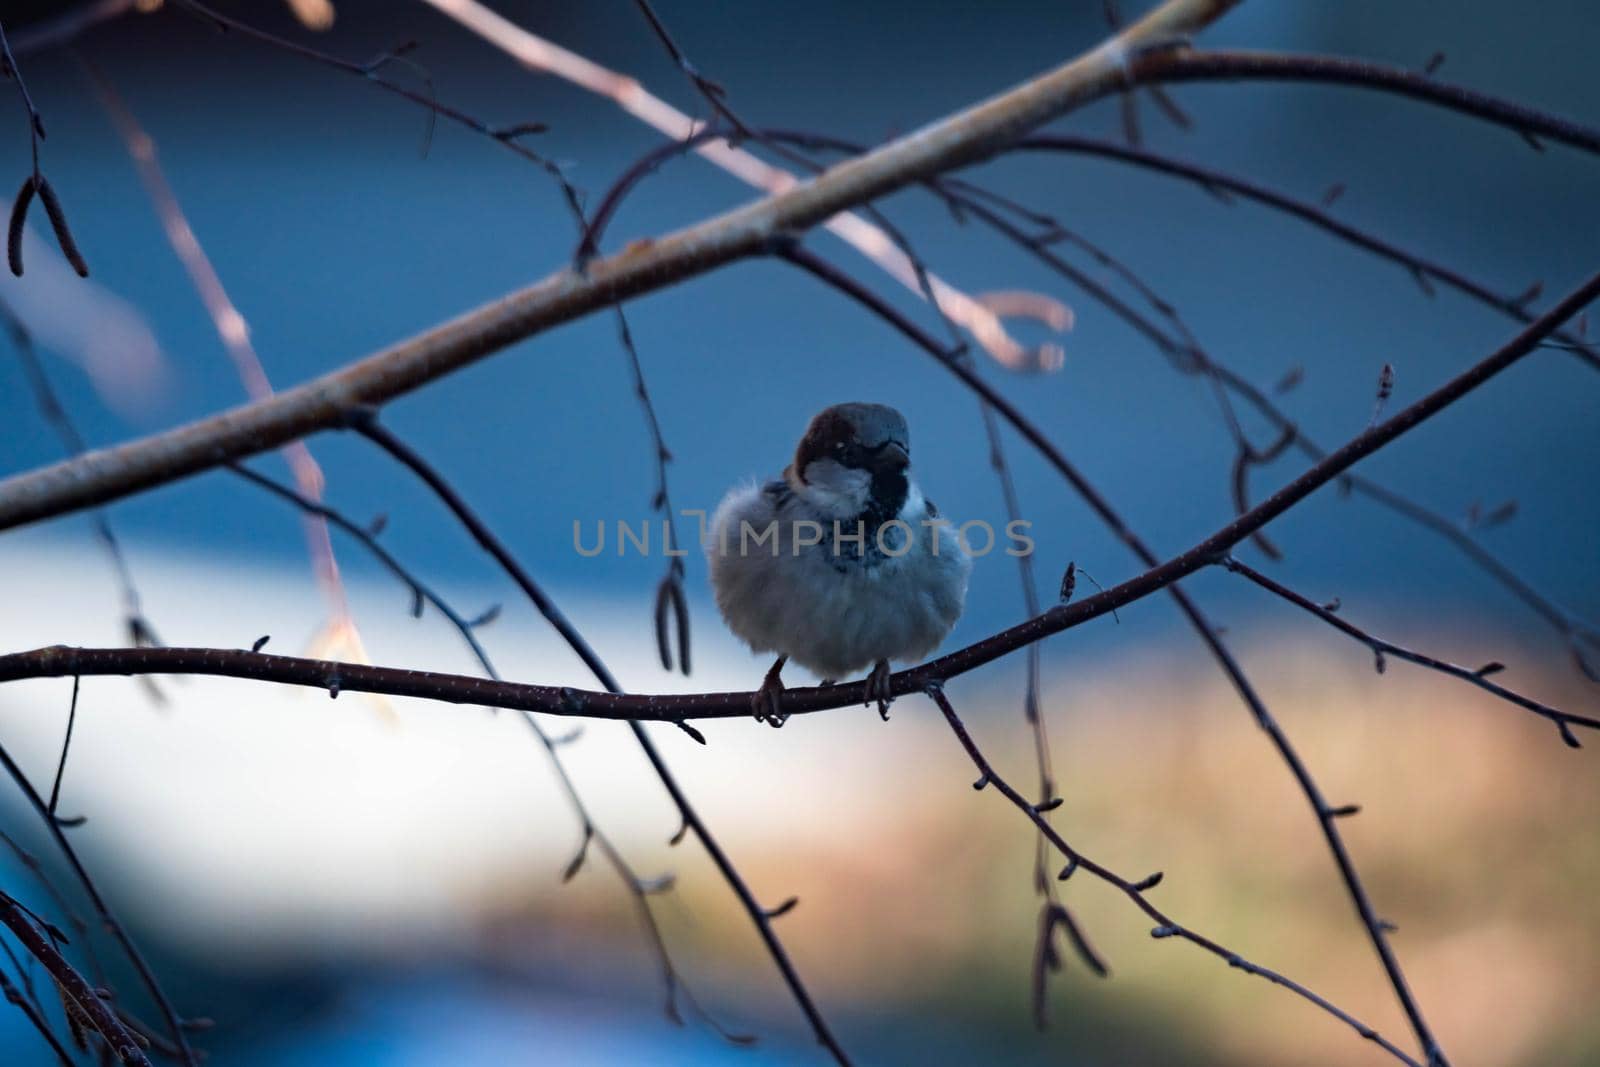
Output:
x=335 y=238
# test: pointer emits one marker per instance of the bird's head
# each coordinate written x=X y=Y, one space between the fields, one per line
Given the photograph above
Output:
x=854 y=458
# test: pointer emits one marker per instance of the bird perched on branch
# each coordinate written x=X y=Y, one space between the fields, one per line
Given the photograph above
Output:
x=841 y=562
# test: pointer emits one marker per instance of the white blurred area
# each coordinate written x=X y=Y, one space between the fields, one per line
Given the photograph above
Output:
x=270 y=818
x=254 y=822
x=105 y=335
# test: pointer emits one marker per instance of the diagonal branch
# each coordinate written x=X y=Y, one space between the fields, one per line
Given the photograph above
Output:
x=367 y=425
x=1222 y=183
x=55 y=413
x=1381 y=649
x=875 y=242
x=82 y=1000
x=974 y=133
x=674 y=983
x=231 y=327
x=1532 y=123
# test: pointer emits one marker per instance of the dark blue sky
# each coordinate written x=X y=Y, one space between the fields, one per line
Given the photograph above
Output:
x=335 y=238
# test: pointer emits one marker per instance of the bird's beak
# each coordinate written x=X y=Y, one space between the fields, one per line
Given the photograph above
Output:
x=894 y=457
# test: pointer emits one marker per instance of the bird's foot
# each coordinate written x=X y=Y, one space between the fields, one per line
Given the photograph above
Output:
x=765 y=701
x=878 y=688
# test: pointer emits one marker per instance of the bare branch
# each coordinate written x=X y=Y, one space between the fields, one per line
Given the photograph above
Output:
x=1213 y=180
x=1138 y=891
x=1381 y=648
x=49 y=404
x=368 y=426
x=35 y=183
x=231 y=327
x=872 y=241
x=81 y=998
x=1531 y=123
x=674 y=983
x=325 y=402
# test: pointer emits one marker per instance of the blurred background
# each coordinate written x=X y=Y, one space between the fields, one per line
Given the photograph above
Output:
x=380 y=882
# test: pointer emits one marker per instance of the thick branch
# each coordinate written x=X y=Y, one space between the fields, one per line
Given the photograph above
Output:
x=646 y=266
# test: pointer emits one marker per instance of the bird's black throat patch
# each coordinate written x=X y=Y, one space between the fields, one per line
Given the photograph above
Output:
x=889 y=489
x=854 y=542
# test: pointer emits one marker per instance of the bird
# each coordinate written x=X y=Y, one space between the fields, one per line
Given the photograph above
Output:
x=840 y=562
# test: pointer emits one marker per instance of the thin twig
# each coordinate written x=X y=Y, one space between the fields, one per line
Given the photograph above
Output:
x=1533 y=124
x=55 y=413
x=1138 y=892
x=81 y=997
x=1215 y=181
x=35 y=1015
x=66 y=745
x=872 y=241
x=671 y=601
x=1382 y=649
x=421 y=592
x=229 y=323
x=509 y=136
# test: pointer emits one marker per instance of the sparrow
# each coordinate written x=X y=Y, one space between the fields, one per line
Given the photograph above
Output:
x=840 y=562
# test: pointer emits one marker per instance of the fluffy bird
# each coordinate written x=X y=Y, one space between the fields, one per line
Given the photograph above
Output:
x=841 y=562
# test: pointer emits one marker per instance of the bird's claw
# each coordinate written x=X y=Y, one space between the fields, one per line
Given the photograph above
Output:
x=878 y=688
x=765 y=701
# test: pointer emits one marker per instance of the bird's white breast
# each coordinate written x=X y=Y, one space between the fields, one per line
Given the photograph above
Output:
x=829 y=611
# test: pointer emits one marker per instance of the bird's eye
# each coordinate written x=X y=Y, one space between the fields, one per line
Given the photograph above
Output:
x=840 y=448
